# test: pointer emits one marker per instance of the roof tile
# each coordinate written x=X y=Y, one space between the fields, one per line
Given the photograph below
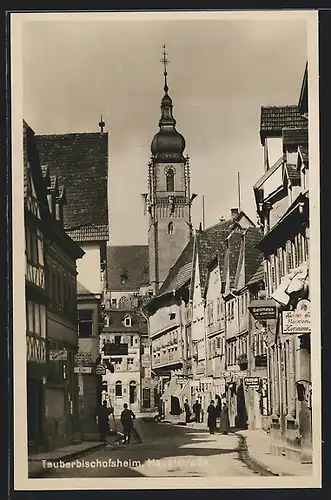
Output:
x=80 y=162
x=275 y=118
x=127 y=267
x=295 y=136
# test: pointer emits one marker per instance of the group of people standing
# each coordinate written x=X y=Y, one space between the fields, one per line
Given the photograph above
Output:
x=220 y=410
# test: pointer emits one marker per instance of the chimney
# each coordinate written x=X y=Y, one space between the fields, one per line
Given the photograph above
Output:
x=234 y=212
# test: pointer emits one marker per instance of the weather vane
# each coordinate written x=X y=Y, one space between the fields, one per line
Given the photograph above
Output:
x=165 y=61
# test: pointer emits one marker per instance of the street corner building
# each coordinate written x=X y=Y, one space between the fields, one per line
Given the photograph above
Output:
x=282 y=201
x=124 y=343
x=74 y=170
x=51 y=319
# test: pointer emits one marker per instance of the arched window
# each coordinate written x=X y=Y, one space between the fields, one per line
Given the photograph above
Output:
x=133 y=391
x=170 y=227
x=170 y=180
x=118 y=388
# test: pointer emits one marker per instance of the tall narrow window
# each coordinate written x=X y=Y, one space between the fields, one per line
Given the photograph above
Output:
x=85 y=323
x=170 y=180
x=118 y=389
x=171 y=228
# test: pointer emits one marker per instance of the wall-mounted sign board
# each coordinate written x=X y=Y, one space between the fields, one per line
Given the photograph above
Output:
x=252 y=381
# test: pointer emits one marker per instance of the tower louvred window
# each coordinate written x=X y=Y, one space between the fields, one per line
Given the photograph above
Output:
x=170 y=180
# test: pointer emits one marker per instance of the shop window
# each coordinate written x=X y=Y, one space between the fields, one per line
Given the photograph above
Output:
x=85 y=323
x=118 y=389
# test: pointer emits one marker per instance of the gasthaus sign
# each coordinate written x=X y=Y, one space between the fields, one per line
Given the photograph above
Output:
x=297 y=321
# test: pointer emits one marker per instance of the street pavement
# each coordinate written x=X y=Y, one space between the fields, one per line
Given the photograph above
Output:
x=166 y=450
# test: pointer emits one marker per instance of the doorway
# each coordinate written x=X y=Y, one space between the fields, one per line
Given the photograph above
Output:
x=132 y=392
x=146 y=398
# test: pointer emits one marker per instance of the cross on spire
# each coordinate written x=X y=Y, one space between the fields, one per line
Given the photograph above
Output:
x=165 y=61
x=101 y=124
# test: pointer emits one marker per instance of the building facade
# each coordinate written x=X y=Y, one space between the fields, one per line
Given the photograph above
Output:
x=80 y=162
x=51 y=322
x=282 y=196
x=124 y=345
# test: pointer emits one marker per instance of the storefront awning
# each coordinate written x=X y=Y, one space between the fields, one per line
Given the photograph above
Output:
x=184 y=391
x=295 y=281
x=170 y=390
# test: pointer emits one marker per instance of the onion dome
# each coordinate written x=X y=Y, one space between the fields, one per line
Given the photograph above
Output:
x=167 y=144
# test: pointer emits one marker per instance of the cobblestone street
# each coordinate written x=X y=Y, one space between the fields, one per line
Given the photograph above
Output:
x=167 y=450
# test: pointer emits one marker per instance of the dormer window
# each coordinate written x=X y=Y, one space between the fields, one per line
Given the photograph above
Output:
x=127 y=321
x=124 y=276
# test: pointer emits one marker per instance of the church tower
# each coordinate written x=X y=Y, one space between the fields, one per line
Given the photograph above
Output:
x=169 y=198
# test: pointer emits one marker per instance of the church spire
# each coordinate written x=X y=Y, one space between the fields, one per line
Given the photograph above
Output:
x=168 y=144
x=165 y=61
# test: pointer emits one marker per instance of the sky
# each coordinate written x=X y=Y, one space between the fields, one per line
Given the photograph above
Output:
x=220 y=74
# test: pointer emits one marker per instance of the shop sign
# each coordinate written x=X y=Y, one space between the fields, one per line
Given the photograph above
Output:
x=83 y=359
x=58 y=355
x=298 y=321
x=83 y=369
x=112 y=349
x=263 y=309
x=252 y=381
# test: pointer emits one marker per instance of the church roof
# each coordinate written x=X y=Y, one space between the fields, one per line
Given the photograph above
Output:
x=127 y=267
x=180 y=273
x=80 y=162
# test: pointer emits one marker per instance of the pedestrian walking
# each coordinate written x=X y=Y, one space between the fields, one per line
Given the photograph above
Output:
x=197 y=411
x=211 y=422
x=103 y=421
x=225 y=420
x=187 y=411
x=127 y=417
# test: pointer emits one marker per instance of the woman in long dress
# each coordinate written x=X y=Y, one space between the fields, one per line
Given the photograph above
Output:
x=225 y=421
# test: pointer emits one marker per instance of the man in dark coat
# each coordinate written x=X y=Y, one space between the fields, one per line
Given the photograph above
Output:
x=197 y=411
x=187 y=411
x=103 y=421
x=211 y=422
x=127 y=417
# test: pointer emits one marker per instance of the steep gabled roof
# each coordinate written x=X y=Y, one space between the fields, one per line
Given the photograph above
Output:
x=258 y=275
x=232 y=256
x=80 y=162
x=116 y=321
x=180 y=272
x=209 y=242
x=275 y=118
x=253 y=256
x=127 y=267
